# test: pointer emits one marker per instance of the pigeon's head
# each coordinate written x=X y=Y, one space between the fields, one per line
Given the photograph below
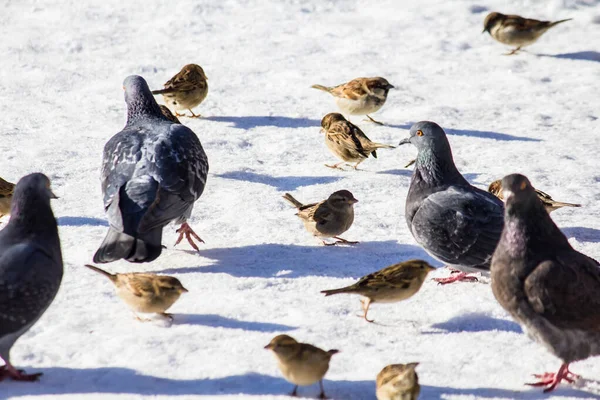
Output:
x=330 y=119
x=518 y=192
x=37 y=185
x=139 y=99
x=491 y=20
x=135 y=87
x=426 y=135
x=342 y=199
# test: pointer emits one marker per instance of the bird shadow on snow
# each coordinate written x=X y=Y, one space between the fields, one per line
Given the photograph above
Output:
x=58 y=380
x=291 y=261
x=281 y=183
x=80 y=221
x=476 y=133
x=439 y=392
x=582 y=234
x=476 y=322
x=249 y=122
x=580 y=55
x=217 y=321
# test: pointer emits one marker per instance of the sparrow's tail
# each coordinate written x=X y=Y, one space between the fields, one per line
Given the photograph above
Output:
x=558 y=22
x=332 y=352
x=559 y=204
x=347 y=289
x=382 y=146
x=164 y=91
x=292 y=200
x=321 y=87
x=118 y=245
x=110 y=276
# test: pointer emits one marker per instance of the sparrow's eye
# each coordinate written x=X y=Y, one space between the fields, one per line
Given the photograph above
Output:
x=523 y=185
x=419 y=133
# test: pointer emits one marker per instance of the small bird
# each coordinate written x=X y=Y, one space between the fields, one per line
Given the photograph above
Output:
x=389 y=285
x=398 y=382
x=186 y=90
x=300 y=363
x=550 y=289
x=6 y=193
x=145 y=292
x=360 y=96
x=347 y=142
x=328 y=218
x=168 y=114
x=152 y=173
x=453 y=221
x=514 y=30
x=31 y=266
x=549 y=203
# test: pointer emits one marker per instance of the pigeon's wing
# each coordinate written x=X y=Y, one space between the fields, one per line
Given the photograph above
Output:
x=29 y=280
x=347 y=135
x=180 y=166
x=460 y=225
x=566 y=291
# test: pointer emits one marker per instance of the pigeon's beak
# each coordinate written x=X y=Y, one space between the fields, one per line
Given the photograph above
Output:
x=404 y=141
x=51 y=194
x=123 y=88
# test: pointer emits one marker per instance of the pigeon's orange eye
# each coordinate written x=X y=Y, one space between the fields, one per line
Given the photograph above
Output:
x=523 y=185
x=419 y=133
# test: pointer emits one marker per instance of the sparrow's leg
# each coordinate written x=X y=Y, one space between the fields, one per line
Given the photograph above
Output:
x=365 y=306
x=335 y=166
x=355 y=166
x=167 y=316
x=322 y=394
x=295 y=391
x=190 y=235
x=8 y=371
x=372 y=120
x=456 y=276
x=194 y=115
x=551 y=380
x=514 y=51
x=140 y=318
x=411 y=162
x=340 y=240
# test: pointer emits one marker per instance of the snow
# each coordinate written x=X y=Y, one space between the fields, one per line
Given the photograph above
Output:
x=259 y=273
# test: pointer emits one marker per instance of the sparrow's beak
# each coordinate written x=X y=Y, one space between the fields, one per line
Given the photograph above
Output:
x=484 y=30
x=269 y=346
x=507 y=194
x=322 y=130
x=183 y=290
x=391 y=87
x=404 y=141
x=352 y=201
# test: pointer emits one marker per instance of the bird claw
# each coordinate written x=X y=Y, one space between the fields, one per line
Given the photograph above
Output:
x=190 y=235
x=456 y=276
x=335 y=166
x=8 y=371
x=343 y=241
x=377 y=122
x=551 y=379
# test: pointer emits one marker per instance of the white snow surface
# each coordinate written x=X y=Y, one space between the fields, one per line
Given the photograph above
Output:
x=259 y=273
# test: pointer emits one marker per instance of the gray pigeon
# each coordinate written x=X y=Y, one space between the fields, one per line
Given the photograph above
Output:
x=549 y=288
x=453 y=221
x=152 y=173
x=31 y=266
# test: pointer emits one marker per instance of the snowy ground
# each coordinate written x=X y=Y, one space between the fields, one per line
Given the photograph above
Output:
x=259 y=273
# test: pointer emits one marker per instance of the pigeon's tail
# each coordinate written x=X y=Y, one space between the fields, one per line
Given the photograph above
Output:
x=347 y=289
x=321 y=87
x=292 y=200
x=558 y=22
x=118 y=245
x=164 y=91
x=110 y=276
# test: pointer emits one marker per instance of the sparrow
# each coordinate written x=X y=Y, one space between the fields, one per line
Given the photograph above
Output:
x=389 y=285
x=300 y=363
x=6 y=194
x=549 y=203
x=168 y=114
x=186 y=90
x=515 y=30
x=328 y=218
x=398 y=382
x=360 y=96
x=145 y=292
x=347 y=142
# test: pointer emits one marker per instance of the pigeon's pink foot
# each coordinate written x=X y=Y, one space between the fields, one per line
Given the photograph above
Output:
x=551 y=380
x=8 y=371
x=190 y=235
x=456 y=277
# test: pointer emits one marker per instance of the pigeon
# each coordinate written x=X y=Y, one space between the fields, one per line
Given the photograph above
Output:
x=186 y=90
x=550 y=289
x=152 y=173
x=6 y=193
x=453 y=221
x=550 y=204
x=31 y=266
x=515 y=30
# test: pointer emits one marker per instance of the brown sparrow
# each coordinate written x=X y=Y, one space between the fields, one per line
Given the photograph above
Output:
x=549 y=203
x=389 y=285
x=515 y=30
x=6 y=194
x=347 y=141
x=187 y=89
x=168 y=114
x=328 y=218
x=360 y=96
x=300 y=363
x=398 y=382
x=145 y=292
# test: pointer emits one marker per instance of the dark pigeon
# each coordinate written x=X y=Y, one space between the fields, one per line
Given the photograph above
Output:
x=31 y=266
x=549 y=288
x=152 y=173
x=453 y=221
